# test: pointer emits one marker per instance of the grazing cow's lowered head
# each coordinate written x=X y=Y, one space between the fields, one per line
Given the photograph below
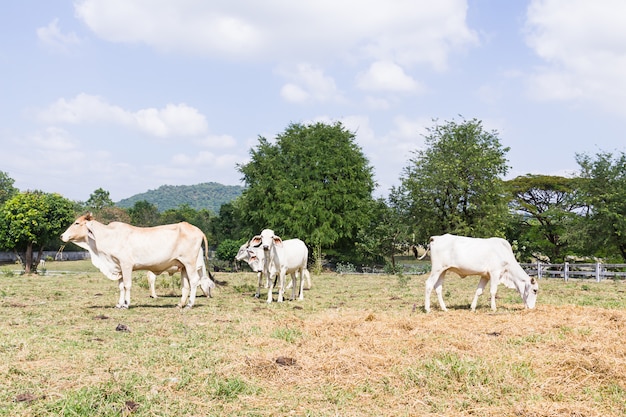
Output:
x=530 y=293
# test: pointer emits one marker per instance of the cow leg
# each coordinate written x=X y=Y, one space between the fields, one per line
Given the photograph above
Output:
x=270 y=289
x=124 y=284
x=479 y=291
x=439 y=291
x=152 y=281
x=194 y=281
x=435 y=280
x=281 y=286
x=185 y=288
x=494 y=289
x=260 y=279
x=294 y=284
x=303 y=273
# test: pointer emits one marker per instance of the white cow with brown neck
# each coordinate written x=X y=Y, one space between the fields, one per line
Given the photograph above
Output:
x=118 y=248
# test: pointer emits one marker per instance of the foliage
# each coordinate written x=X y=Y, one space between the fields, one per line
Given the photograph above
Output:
x=208 y=196
x=98 y=200
x=144 y=214
x=384 y=235
x=603 y=191
x=227 y=250
x=313 y=183
x=548 y=206
x=33 y=218
x=7 y=190
x=454 y=185
x=228 y=224
x=202 y=218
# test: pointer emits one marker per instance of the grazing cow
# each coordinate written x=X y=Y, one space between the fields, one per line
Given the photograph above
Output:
x=291 y=259
x=118 y=248
x=205 y=282
x=491 y=258
x=246 y=253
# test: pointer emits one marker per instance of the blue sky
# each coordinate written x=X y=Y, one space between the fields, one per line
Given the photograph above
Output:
x=129 y=95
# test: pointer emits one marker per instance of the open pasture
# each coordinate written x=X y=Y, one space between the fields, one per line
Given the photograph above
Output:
x=358 y=345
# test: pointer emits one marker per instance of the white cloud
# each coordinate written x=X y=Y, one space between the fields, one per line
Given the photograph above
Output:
x=173 y=120
x=52 y=37
x=309 y=82
x=404 y=31
x=583 y=46
x=386 y=76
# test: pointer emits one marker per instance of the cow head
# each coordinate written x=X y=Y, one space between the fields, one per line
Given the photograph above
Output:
x=266 y=240
x=530 y=293
x=79 y=230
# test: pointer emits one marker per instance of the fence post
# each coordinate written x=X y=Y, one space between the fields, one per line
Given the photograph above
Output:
x=566 y=271
x=598 y=271
x=538 y=270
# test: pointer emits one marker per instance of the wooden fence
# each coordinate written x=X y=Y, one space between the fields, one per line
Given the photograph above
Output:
x=597 y=271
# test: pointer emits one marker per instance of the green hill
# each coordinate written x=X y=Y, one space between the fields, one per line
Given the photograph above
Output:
x=208 y=195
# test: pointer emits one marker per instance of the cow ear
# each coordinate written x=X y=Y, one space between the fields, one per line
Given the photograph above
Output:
x=90 y=233
x=278 y=241
x=255 y=241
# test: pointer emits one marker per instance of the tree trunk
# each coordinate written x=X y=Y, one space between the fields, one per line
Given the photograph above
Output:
x=28 y=257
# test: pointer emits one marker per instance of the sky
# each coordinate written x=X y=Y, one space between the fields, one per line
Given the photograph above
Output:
x=129 y=95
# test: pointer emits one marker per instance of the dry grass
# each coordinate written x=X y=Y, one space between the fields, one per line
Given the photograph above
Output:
x=357 y=346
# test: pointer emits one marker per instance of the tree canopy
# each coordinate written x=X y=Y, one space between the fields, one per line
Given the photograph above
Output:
x=7 y=190
x=603 y=190
x=455 y=184
x=547 y=205
x=314 y=183
x=33 y=219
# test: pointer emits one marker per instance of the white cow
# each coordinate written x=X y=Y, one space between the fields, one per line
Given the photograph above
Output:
x=246 y=253
x=205 y=281
x=291 y=259
x=491 y=258
x=254 y=257
x=118 y=248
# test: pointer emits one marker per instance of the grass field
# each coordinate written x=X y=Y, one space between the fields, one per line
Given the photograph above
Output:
x=358 y=345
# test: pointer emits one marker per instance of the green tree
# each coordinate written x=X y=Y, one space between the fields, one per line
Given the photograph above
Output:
x=202 y=219
x=98 y=200
x=385 y=234
x=144 y=214
x=547 y=205
x=33 y=219
x=455 y=184
x=603 y=191
x=313 y=183
x=229 y=225
x=7 y=190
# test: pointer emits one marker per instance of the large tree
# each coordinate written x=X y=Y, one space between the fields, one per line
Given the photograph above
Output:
x=33 y=219
x=454 y=185
x=603 y=189
x=547 y=205
x=313 y=183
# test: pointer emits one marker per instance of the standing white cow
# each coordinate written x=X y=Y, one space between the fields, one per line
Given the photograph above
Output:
x=490 y=258
x=254 y=258
x=118 y=248
x=291 y=259
x=205 y=282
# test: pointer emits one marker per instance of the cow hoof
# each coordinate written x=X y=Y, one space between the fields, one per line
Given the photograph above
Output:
x=188 y=307
x=122 y=306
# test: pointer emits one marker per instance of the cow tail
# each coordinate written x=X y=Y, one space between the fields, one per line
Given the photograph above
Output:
x=206 y=256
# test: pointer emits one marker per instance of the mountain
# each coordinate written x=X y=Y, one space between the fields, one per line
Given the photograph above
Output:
x=208 y=195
